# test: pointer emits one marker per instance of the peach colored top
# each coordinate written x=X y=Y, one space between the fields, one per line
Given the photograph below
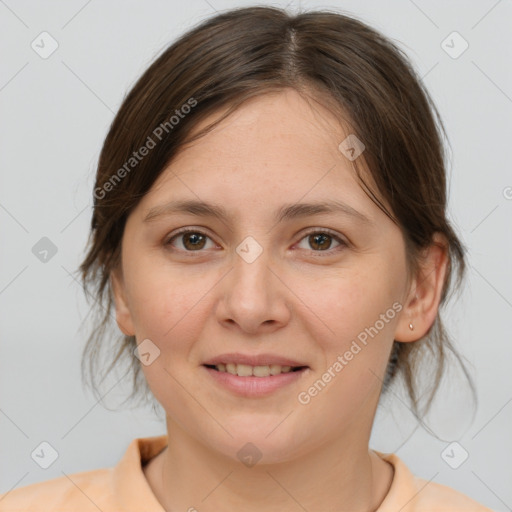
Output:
x=124 y=488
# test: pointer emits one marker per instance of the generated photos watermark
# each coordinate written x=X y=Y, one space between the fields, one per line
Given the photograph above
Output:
x=357 y=345
x=156 y=136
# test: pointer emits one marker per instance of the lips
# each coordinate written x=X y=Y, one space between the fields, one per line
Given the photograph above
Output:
x=255 y=381
x=254 y=360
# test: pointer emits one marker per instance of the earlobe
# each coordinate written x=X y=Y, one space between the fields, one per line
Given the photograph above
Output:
x=422 y=304
x=123 y=315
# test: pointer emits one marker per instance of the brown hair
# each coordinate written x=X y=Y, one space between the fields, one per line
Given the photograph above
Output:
x=334 y=59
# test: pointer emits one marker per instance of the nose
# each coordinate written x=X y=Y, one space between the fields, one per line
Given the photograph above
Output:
x=254 y=297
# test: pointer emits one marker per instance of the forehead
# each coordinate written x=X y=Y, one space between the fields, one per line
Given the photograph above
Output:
x=278 y=147
x=276 y=118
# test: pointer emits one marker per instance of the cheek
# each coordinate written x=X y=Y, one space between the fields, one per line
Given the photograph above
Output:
x=351 y=305
x=168 y=307
x=361 y=312
x=167 y=303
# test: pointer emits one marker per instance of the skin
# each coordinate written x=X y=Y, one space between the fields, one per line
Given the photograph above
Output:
x=294 y=300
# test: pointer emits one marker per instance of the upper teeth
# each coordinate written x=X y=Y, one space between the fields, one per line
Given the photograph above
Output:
x=245 y=370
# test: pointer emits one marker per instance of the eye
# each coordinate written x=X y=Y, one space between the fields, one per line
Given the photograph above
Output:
x=191 y=240
x=194 y=240
x=320 y=241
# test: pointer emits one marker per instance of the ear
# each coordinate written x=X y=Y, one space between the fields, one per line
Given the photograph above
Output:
x=123 y=315
x=422 y=303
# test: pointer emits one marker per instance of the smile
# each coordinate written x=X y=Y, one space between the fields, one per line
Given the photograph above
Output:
x=245 y=370
x=254 y=381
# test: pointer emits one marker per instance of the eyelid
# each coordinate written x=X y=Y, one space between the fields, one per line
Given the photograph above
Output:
x=326 y=231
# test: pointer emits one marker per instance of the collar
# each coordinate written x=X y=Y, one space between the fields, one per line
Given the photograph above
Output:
x=135 y=494
x=130 y=485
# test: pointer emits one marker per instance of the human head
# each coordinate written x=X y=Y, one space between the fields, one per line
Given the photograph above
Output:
x=240 y=55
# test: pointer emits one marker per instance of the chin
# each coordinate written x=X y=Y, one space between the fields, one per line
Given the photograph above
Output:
x=268 y=441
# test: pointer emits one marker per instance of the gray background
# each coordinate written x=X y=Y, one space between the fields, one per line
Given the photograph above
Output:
x=55 y=113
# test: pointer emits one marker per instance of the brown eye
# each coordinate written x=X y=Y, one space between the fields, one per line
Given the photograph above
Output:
x=193 y=240
x=319 y=241
x=190 y=240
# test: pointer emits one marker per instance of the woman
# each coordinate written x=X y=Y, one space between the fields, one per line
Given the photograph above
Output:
x=270 y=227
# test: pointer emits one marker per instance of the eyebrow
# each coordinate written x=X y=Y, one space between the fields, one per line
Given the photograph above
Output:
x=286 y=212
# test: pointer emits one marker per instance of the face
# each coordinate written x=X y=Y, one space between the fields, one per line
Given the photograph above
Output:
x=268 y=282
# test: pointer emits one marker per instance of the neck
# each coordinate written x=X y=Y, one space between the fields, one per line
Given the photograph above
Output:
x=344 y=475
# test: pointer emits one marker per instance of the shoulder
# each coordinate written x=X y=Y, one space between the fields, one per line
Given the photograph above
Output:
x=81 y=492
x=410 y=493
x=113 y=489
x=442 y=498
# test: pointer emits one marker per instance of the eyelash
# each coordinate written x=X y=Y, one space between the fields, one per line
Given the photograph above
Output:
x=327 y=252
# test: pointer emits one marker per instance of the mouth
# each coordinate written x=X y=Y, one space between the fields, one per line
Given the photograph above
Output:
x=255 y=380
x=245 y=370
